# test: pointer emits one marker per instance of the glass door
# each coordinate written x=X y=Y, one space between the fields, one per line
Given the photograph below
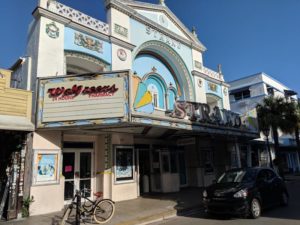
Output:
x=77 y=170
x=85 y=172
x=69 y=174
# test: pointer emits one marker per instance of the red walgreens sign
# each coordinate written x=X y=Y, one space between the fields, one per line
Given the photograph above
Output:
x=62 y=93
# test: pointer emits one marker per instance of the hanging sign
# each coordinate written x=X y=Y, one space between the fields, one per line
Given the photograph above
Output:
x=201 y=112
x=74 y=100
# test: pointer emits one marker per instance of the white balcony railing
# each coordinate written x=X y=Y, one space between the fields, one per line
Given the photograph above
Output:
x=77 y=17
x=212 y=73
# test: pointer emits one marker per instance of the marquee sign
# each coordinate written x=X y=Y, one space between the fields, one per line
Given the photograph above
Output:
x=74 y=99
x=201 y=112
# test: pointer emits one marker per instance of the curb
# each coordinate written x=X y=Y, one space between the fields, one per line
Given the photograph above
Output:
x=159 y=216
x=151 y=218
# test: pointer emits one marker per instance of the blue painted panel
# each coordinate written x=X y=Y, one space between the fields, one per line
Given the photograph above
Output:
x=218 y=92
x=160 y=89
x=171 y=99
x=143 y=65
x=146 y=109
x=69 y=42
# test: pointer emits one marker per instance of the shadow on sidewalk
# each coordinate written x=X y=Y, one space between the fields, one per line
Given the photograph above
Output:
x=149 y=207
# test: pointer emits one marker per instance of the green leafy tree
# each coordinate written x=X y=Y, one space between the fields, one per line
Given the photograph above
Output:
x=271 y=115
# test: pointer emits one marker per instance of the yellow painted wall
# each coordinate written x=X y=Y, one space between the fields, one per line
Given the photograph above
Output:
x=14 y=102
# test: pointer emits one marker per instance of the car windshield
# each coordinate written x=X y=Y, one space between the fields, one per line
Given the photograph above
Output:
x=237 y=176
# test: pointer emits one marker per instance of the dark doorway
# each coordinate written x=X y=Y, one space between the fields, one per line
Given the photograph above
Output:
x=145 y=170
x=11 y=172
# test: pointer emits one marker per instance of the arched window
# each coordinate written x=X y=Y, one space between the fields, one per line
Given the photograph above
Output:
x=157 y=90
x=171 y=98
x=77 y=62
x=214 y=100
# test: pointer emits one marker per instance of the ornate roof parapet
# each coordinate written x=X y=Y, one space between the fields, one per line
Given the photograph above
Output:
x=212 y=74
x=194 y=32
x=77 y=16
x=162 y=2
x=128 y=7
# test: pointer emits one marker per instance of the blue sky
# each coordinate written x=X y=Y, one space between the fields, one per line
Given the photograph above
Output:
x=245 y=36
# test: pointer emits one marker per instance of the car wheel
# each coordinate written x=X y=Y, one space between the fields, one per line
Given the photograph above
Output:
x=255 y=208
x=284 y=201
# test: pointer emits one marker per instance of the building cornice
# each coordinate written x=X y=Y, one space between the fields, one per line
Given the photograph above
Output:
x=163 y=8
x=206 y=77
x=38 y=12
x=144 y=20
x=122 y=43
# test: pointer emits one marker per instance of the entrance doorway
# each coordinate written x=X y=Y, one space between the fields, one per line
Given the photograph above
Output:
x=161 y=169
x=144 y=170
x=77 y=170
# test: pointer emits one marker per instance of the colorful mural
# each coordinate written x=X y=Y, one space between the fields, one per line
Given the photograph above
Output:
x=142 y=97
x=249 y=120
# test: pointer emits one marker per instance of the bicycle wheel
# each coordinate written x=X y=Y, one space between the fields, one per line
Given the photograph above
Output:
x=66 y=215
x=104 y=211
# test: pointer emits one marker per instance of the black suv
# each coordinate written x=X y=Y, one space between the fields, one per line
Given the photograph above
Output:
x=245 y=192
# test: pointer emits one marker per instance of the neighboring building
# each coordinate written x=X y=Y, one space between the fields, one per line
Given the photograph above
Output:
x=124 y=107
x=15 y=126
x=245 y=94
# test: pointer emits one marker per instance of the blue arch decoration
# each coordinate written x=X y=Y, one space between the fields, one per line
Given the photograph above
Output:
x=161 y=89
x=172 y=95
x=181 y=74
x=217 y=98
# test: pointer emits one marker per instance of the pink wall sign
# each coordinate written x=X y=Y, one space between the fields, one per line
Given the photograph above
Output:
x=68 y=169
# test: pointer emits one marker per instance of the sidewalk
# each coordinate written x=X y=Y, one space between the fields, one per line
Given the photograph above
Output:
x=142 y=210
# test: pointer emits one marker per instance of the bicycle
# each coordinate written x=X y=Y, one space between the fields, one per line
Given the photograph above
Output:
x=101 y=210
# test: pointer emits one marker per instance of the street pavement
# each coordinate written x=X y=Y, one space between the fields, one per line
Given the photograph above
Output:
x=289 y=215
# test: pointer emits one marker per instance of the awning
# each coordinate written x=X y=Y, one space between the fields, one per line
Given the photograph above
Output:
x=16 y=123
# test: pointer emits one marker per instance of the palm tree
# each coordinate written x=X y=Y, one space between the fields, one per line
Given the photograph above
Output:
x=271 y=115
x=297 y=126
x=292 y=120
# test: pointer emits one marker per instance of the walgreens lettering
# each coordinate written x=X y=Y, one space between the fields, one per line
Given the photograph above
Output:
x=62 y=93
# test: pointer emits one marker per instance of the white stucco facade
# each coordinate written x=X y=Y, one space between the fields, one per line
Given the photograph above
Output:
x=173 y=124
x=246 y=93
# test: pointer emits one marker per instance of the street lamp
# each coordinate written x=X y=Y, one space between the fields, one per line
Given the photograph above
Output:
x=266 y=132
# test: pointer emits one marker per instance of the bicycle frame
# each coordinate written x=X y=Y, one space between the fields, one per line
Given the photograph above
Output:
x=89 y=208
x=83 y=207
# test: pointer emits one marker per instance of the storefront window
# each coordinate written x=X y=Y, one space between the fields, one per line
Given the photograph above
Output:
x=124 y=167
x=155 y=100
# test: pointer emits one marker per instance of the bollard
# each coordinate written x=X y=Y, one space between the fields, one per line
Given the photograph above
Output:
x=78 y=203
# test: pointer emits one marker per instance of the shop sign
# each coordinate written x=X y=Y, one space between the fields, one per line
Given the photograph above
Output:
x=83 y=99
x=161 y=37
x=201 y=112
x=63 y=93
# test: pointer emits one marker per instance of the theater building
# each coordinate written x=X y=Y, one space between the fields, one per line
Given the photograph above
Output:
x=125 y=107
